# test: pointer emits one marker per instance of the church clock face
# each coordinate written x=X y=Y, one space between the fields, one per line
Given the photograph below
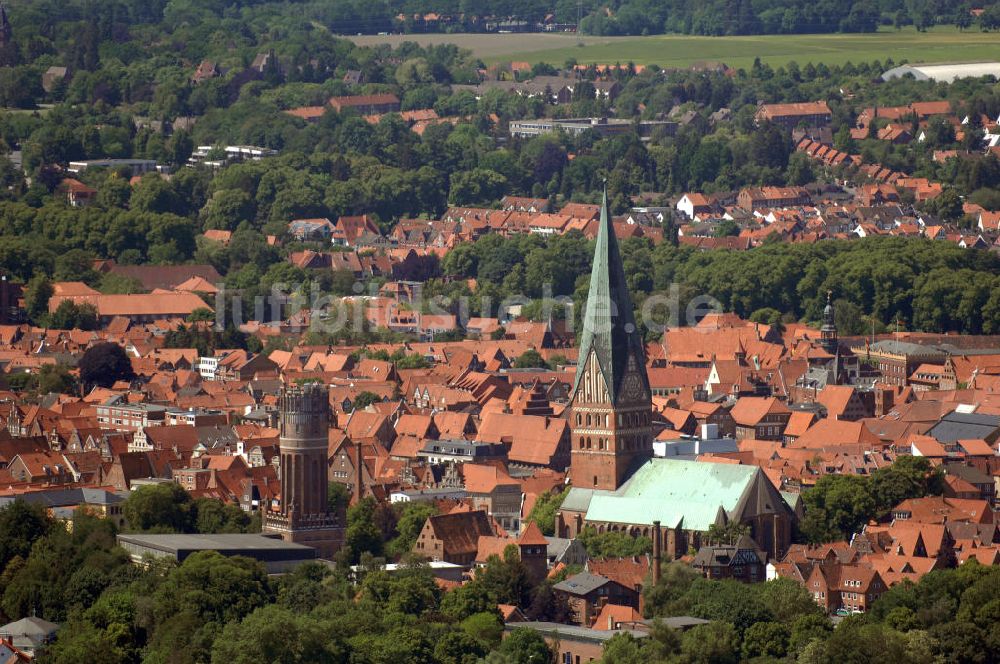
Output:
x=632 y=387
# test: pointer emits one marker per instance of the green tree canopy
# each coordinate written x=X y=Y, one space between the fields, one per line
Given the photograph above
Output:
x=104 y=364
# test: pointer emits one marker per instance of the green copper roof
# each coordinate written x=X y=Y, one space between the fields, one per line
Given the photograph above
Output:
x=609 y=324
x=670 y=490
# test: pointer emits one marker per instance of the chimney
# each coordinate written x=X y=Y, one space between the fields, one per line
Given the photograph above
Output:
x=657 y=551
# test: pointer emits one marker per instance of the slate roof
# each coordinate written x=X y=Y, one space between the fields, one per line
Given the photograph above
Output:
x=905 y=348
x=970 y=474
x=67 y=497
x=964 y=426
x=583 y=583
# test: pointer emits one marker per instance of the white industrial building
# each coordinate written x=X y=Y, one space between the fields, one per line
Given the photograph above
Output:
x=944 y=73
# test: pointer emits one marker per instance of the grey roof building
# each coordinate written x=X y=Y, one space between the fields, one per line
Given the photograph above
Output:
x=29 y=634
x=966 y=426
x=977 y=478
x=945 y=73
x=68 y=497
x=461 y=451
x=686 y=497
x=583 y=583
x=277 y=555
x=742 y=560
x=566 y=551
x=575 y=632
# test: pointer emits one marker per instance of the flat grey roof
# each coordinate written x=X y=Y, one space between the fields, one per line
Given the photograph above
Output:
x=229 y=542
x=582 y=583
x=678 y=622
x=67 y=497
x=574 y=632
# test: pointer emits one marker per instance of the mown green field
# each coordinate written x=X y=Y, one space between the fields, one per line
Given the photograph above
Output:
x=942 y=44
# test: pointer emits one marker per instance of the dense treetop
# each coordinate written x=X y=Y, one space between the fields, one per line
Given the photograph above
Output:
x=131 y=64
x=635 y=17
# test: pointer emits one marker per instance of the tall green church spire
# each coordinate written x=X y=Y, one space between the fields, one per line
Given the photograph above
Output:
x=609 y=329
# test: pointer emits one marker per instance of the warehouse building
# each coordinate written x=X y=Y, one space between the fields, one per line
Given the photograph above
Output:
x=945 y=73
x=277 y=555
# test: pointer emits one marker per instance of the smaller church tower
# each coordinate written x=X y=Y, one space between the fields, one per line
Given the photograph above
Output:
x=828 y=333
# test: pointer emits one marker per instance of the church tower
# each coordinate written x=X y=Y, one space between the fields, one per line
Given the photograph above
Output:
x=304 y=516
x=610 y=405
x=828 y=333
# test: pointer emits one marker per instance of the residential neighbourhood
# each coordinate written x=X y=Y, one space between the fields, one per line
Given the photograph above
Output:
x=677 y=448
x=428 y=347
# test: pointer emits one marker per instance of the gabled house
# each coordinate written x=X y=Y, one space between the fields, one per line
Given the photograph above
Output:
x=311 y=229
x=587 y=594
x=741 y=561
x=77 y=193
x=760 y=418
x=454 y=537
x=850 y=588
x=491 y=489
